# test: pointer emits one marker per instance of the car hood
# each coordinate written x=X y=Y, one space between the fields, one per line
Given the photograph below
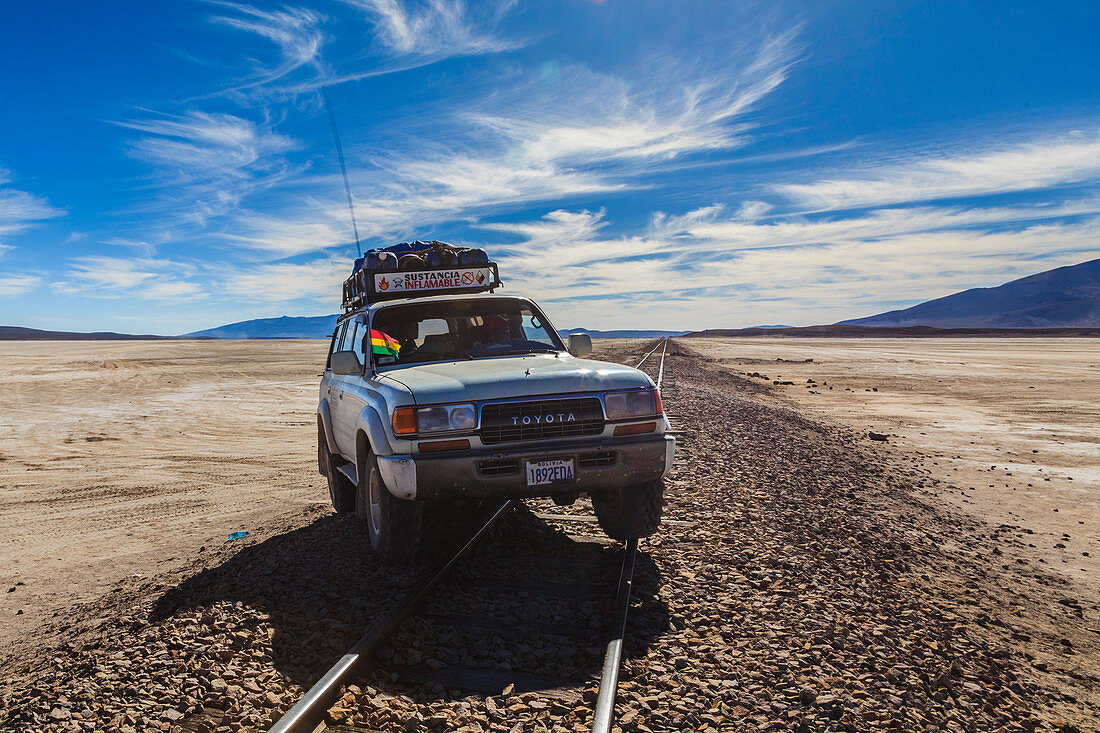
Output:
x=513 y=376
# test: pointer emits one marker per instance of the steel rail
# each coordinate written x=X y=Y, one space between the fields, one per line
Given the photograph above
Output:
x=639 y=364
x=661 y=370
x=308 y=712
x=609 y=679
x=660 y=378
x=604 y=715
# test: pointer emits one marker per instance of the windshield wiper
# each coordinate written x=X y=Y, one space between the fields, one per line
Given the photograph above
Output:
x=516 y=352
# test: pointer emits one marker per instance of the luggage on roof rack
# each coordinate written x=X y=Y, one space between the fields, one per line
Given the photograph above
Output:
x=410 y=269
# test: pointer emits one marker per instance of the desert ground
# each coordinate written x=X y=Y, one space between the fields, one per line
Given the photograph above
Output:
x=121 y=460
x=1009 y=428
x=811 y=578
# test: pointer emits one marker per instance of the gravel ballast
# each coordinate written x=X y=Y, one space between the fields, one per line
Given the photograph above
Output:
x=806 y=582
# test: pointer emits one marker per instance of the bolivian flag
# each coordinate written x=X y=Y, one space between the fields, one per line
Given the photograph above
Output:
x=383 y=345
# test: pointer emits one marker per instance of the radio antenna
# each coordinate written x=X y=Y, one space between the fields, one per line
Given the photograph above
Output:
x=343 y=169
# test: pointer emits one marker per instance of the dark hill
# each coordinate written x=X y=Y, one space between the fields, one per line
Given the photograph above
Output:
x=284 y=327
x=18 y=333
x=842 y=331
x=621 y=334
x=1066 y=297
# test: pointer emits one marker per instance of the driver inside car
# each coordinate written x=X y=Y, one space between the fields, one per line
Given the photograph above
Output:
x=497 y=329
x=405 y=333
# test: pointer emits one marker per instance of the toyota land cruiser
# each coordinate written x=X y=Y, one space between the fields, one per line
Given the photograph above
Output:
x=428 y=396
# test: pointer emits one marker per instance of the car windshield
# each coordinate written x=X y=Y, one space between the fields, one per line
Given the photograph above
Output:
x=459 y=329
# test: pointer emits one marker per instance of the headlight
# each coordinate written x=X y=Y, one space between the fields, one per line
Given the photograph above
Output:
x=634 y=404
x=434 y=419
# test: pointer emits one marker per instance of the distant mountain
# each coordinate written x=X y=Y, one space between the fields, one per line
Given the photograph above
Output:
x=1066 y=297
x=621 y=334
x=862 y=332
x=18 y=333
x=284 y=327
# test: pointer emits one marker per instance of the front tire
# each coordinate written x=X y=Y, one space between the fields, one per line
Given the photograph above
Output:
x=631 y=512
x=340 y=490
x=393 y=524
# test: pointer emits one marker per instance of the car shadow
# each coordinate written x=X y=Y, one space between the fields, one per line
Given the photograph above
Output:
x=314 y=591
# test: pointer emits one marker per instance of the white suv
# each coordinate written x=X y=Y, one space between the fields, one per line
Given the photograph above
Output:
x=466 y=397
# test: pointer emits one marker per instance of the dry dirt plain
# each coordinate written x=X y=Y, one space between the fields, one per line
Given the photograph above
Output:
x=1010 y=427
x=120 y=460
x=811 y=578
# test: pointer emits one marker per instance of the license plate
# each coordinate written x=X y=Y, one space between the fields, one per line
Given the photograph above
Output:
x=541 y=473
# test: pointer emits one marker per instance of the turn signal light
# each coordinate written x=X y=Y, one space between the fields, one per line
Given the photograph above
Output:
x=637 y=429
x=657 y=397
x=438 y=445
x=404 y=421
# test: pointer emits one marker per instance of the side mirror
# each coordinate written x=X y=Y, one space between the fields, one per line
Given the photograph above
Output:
x=580 y=344
x=346 y=362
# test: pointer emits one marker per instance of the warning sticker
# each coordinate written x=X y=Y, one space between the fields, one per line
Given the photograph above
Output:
x=467 y=277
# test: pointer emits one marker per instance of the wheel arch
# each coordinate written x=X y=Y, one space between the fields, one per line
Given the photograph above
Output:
x=362 y=451
x=371 y=427
x=324 y=417
x=370 y=437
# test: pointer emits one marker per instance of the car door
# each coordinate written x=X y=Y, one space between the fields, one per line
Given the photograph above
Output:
x=329 y=387
x=355 y=388
x=343 y=428
x=327 y=377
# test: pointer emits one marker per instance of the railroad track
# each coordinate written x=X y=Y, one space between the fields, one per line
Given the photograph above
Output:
x=309 y=713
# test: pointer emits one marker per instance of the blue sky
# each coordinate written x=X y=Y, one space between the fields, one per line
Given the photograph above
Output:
x=166 y=167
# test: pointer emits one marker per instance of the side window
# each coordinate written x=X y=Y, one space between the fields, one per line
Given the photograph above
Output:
x=335 y=345
x=357 y=341
x=345 y=338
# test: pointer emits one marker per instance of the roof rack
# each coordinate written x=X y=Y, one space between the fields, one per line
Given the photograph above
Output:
x=412 y=269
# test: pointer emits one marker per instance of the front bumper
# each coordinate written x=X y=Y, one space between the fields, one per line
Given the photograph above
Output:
x=599 y=464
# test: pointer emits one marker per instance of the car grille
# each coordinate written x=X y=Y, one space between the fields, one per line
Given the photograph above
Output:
x=504 y=422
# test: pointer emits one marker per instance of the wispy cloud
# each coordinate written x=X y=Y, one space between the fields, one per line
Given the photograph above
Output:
x=712 y=268
x=437 y=27
x=118 y=277
x=321 y=226
x=1040 y=164
x=318 y=281
x=578 y=117
x=582 y=132
x=173 y=290
x=577 y=135
x=295 y=32
x=201 y=145
x=146 y=247
x=712 y=236
x=713 y=229
x=548 y=136
x=729 y=265
x=14 y=285
x=406 y=199
x=399 y=36
x=111 y=273
x=19 y=209
x=151 y=278
x=207 y=163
